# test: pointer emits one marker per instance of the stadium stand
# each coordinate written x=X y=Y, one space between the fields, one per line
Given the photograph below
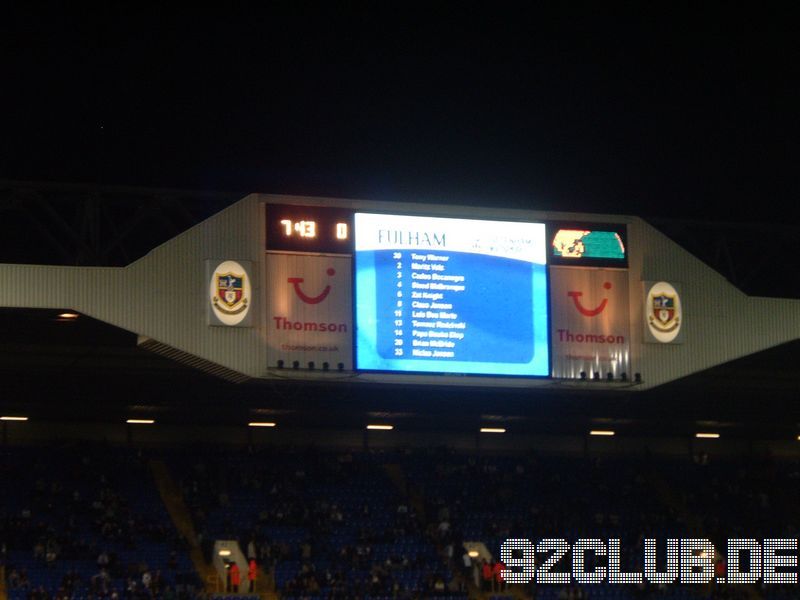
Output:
x=81 y=521
x=87 y=520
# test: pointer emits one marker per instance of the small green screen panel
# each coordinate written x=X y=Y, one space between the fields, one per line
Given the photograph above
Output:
x=582 y=243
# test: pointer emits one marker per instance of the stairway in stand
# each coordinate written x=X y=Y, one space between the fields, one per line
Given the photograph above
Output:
x=181 y=519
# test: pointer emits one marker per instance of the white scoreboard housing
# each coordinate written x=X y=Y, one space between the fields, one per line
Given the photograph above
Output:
x=366 y=291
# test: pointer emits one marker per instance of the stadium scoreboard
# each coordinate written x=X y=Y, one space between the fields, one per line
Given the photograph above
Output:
x=409 y=293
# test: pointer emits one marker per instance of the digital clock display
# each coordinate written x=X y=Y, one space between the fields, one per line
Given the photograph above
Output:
x=309 y=229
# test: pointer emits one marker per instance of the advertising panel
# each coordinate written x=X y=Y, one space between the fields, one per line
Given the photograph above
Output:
x=591 y=321
x=309 y=310
x=451 y=295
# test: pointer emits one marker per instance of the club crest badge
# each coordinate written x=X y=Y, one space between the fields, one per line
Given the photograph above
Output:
x=663 y=310
x=663 y=315
x=229 y=292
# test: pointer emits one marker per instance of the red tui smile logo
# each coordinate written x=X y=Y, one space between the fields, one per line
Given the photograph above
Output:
x=296 y=281
x=589 y=312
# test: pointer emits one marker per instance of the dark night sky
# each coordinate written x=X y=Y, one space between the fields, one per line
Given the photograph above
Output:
x=656 y=113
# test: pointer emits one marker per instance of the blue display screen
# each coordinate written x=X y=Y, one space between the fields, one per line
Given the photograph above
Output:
x=450 y=296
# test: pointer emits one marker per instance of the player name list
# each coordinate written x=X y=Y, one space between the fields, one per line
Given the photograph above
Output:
x=428 y=323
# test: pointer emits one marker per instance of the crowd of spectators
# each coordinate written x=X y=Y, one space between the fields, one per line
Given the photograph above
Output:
x=393 y=524
x=447 y=498
x=327 y=523
x=86 y=521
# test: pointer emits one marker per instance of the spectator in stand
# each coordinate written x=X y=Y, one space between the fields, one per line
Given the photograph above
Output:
x=157 y=582
x=24 y=583
x=51 y=554
x=252 y=572
x=467 y=564
x=498 y=576
x=236 y=577
x=147 y=580
x=99 y=582
x=721 y=567
x=251 y=549
x=487 y=575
